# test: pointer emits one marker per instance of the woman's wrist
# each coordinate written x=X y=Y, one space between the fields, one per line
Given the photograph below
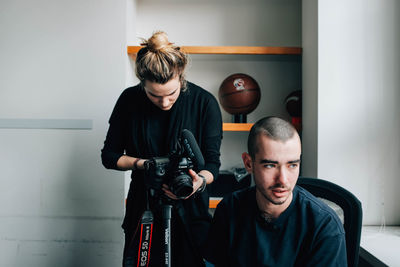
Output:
x=138 y=164
x=203 y=185
x=135 y=164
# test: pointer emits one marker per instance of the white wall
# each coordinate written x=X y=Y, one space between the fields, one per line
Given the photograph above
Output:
x=59 y=60
x=227 y=23
x=358 y=102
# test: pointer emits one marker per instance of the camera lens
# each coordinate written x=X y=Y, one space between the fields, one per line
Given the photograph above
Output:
x=181 y=185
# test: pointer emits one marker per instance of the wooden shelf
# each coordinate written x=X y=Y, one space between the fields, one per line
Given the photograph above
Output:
x=233 y=50
x=236 y=127
x=214 y=201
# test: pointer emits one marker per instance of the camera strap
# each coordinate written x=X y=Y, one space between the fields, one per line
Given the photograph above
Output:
x=146 y=231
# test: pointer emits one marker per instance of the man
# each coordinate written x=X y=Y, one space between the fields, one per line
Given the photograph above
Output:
x=275 y=223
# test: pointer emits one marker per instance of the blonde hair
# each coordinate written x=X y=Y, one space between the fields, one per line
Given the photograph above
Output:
x=160 y=60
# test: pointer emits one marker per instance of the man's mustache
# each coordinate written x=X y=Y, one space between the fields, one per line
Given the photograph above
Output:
x=278 y=186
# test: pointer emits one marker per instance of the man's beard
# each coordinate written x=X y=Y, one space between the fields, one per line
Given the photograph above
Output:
x=270 y=199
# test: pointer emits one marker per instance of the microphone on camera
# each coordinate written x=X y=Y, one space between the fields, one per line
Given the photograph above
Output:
x=192 y=149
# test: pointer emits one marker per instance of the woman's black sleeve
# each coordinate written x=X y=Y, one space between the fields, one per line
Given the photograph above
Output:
x=212 y=135
x=114 y=145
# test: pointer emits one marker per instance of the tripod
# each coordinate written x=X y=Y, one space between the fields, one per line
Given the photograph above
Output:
x=146 y=234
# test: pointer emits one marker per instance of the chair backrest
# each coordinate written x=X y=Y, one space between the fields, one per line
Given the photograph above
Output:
x=352 y=211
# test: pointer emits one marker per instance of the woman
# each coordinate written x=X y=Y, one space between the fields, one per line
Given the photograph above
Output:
x=146 y=122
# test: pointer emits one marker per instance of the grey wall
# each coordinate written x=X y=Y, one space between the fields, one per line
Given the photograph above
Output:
x=62 y=66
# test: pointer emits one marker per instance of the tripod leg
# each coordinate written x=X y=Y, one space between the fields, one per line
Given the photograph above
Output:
x=167 y=233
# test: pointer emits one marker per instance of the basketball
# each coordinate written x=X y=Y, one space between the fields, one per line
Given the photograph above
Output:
x=239 y=94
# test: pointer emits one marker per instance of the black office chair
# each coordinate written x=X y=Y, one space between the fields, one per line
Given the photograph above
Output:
x=350 y=206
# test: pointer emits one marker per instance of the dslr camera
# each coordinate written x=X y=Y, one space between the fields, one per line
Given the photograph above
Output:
x=173 y=170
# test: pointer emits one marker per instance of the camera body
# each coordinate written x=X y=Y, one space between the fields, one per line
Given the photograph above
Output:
x=172 y=171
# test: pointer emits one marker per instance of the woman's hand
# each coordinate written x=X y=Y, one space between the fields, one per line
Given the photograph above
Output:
x=197 y=183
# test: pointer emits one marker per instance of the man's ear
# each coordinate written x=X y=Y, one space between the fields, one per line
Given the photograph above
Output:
x=247 y=162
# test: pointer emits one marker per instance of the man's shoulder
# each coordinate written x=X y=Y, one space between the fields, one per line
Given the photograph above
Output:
x=317 y=209
x=306 y=198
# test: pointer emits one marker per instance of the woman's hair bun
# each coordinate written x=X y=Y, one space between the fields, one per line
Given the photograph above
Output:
x=159 y=60
x=157 y=42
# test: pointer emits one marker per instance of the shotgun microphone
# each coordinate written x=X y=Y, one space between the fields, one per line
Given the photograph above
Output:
x=192 y=149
